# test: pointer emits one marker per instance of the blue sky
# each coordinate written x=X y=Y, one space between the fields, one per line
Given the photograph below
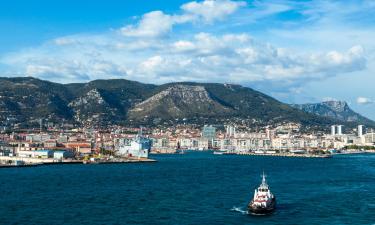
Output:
x=296 y=51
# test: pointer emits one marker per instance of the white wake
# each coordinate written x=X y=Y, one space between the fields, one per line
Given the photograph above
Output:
x=239 y=209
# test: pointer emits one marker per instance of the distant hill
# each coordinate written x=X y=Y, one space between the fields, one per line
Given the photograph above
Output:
x=338 y=110
x=105 y=102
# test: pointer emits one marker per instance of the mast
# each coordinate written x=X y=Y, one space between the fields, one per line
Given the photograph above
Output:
x=264 y=182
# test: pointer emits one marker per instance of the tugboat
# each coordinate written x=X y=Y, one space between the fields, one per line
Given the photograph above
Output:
x=264 y=202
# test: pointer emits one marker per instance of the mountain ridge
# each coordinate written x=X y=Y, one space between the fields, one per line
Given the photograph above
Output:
x=338 y=110
x=125 y=102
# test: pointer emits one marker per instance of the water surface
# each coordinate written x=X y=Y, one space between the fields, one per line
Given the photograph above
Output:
x=194 y=188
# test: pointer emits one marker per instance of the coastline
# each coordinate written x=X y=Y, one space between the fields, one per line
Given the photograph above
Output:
x=280 y=155
x=32 y=162
x=296 y=155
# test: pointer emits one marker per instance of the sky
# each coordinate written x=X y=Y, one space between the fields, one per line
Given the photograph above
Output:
x=296 y=51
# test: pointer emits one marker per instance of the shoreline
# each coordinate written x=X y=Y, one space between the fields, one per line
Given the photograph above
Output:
x=33 y=162
x=296 y=155
x=281 y=155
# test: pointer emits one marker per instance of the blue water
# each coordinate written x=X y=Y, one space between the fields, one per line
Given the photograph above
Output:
x=195 y=188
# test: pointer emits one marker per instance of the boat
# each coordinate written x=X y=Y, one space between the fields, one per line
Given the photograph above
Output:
x=180 y=151
x=138 y=147
x=264 y=202
x=218 y=153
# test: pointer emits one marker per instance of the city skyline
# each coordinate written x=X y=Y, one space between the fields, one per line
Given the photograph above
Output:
x=295 y=51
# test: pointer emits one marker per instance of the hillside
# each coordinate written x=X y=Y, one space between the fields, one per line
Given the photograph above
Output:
x=105 y=102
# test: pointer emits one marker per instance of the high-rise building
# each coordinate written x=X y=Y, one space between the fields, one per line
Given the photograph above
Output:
x=360 y=130
x=209 y=132
x=231 y=131
x=333 y=130
x=339 y=129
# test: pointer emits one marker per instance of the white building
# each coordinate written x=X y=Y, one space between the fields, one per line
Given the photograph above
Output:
x=138 y=147
x=370 y=138
x=333 y=130
x=360 y=130
x=339 y=129
x=230 y=131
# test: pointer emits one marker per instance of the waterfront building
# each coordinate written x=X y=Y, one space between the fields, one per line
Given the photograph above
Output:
x=370 y=138
x=25 y=146
x=360 y=130
x=62 y=154
x=36 y=154
x=83 y=147
x=339 y=129
x=138 y=147
x=43 y=154
x=188 y=142
x=160 y=143
x=209 y=132
x=230 y=131
x=5 y=149
x=204 y=144
x=333 y=130
x=50 y=144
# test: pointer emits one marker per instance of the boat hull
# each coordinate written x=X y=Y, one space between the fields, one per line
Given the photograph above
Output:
x=262 y=210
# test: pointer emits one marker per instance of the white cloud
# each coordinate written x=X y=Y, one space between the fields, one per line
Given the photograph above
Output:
x=203 y=57
x=152 y=24
x=183 y=46
x=328 y=99
x=137 y=52
x=211 y=10
x=365 y=101
x=157 y=24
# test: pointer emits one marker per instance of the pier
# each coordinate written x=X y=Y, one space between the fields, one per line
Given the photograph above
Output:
x=280 y=155
x=9 y=162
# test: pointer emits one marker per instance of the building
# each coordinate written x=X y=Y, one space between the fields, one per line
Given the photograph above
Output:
x=339 y=130
x=50 y=144
x=43 y=154
x=83 y=147
x=209 y=132
x=138 y=147
x=370 y=138
x=36 y=154
x=333 y=130
x=360 y=130
x=63 y=154
x=230 y=131
x=37 y=137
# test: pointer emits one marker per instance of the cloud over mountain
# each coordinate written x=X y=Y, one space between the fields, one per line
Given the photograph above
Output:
x=365 y=101
x=158 y=49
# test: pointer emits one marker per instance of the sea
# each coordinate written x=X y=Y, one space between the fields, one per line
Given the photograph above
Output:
x=191 y=188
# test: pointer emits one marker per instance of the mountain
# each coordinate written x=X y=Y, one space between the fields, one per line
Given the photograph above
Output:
x=124 y=102
x=179 y=101
x=338 y=110
x=216 y=103
x=26 y=100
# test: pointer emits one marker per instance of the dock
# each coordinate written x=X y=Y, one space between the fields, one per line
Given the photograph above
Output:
x=31 y=162
x=280 y=155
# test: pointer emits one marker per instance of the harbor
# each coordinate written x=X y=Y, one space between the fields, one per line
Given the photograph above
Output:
x=135 y=150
